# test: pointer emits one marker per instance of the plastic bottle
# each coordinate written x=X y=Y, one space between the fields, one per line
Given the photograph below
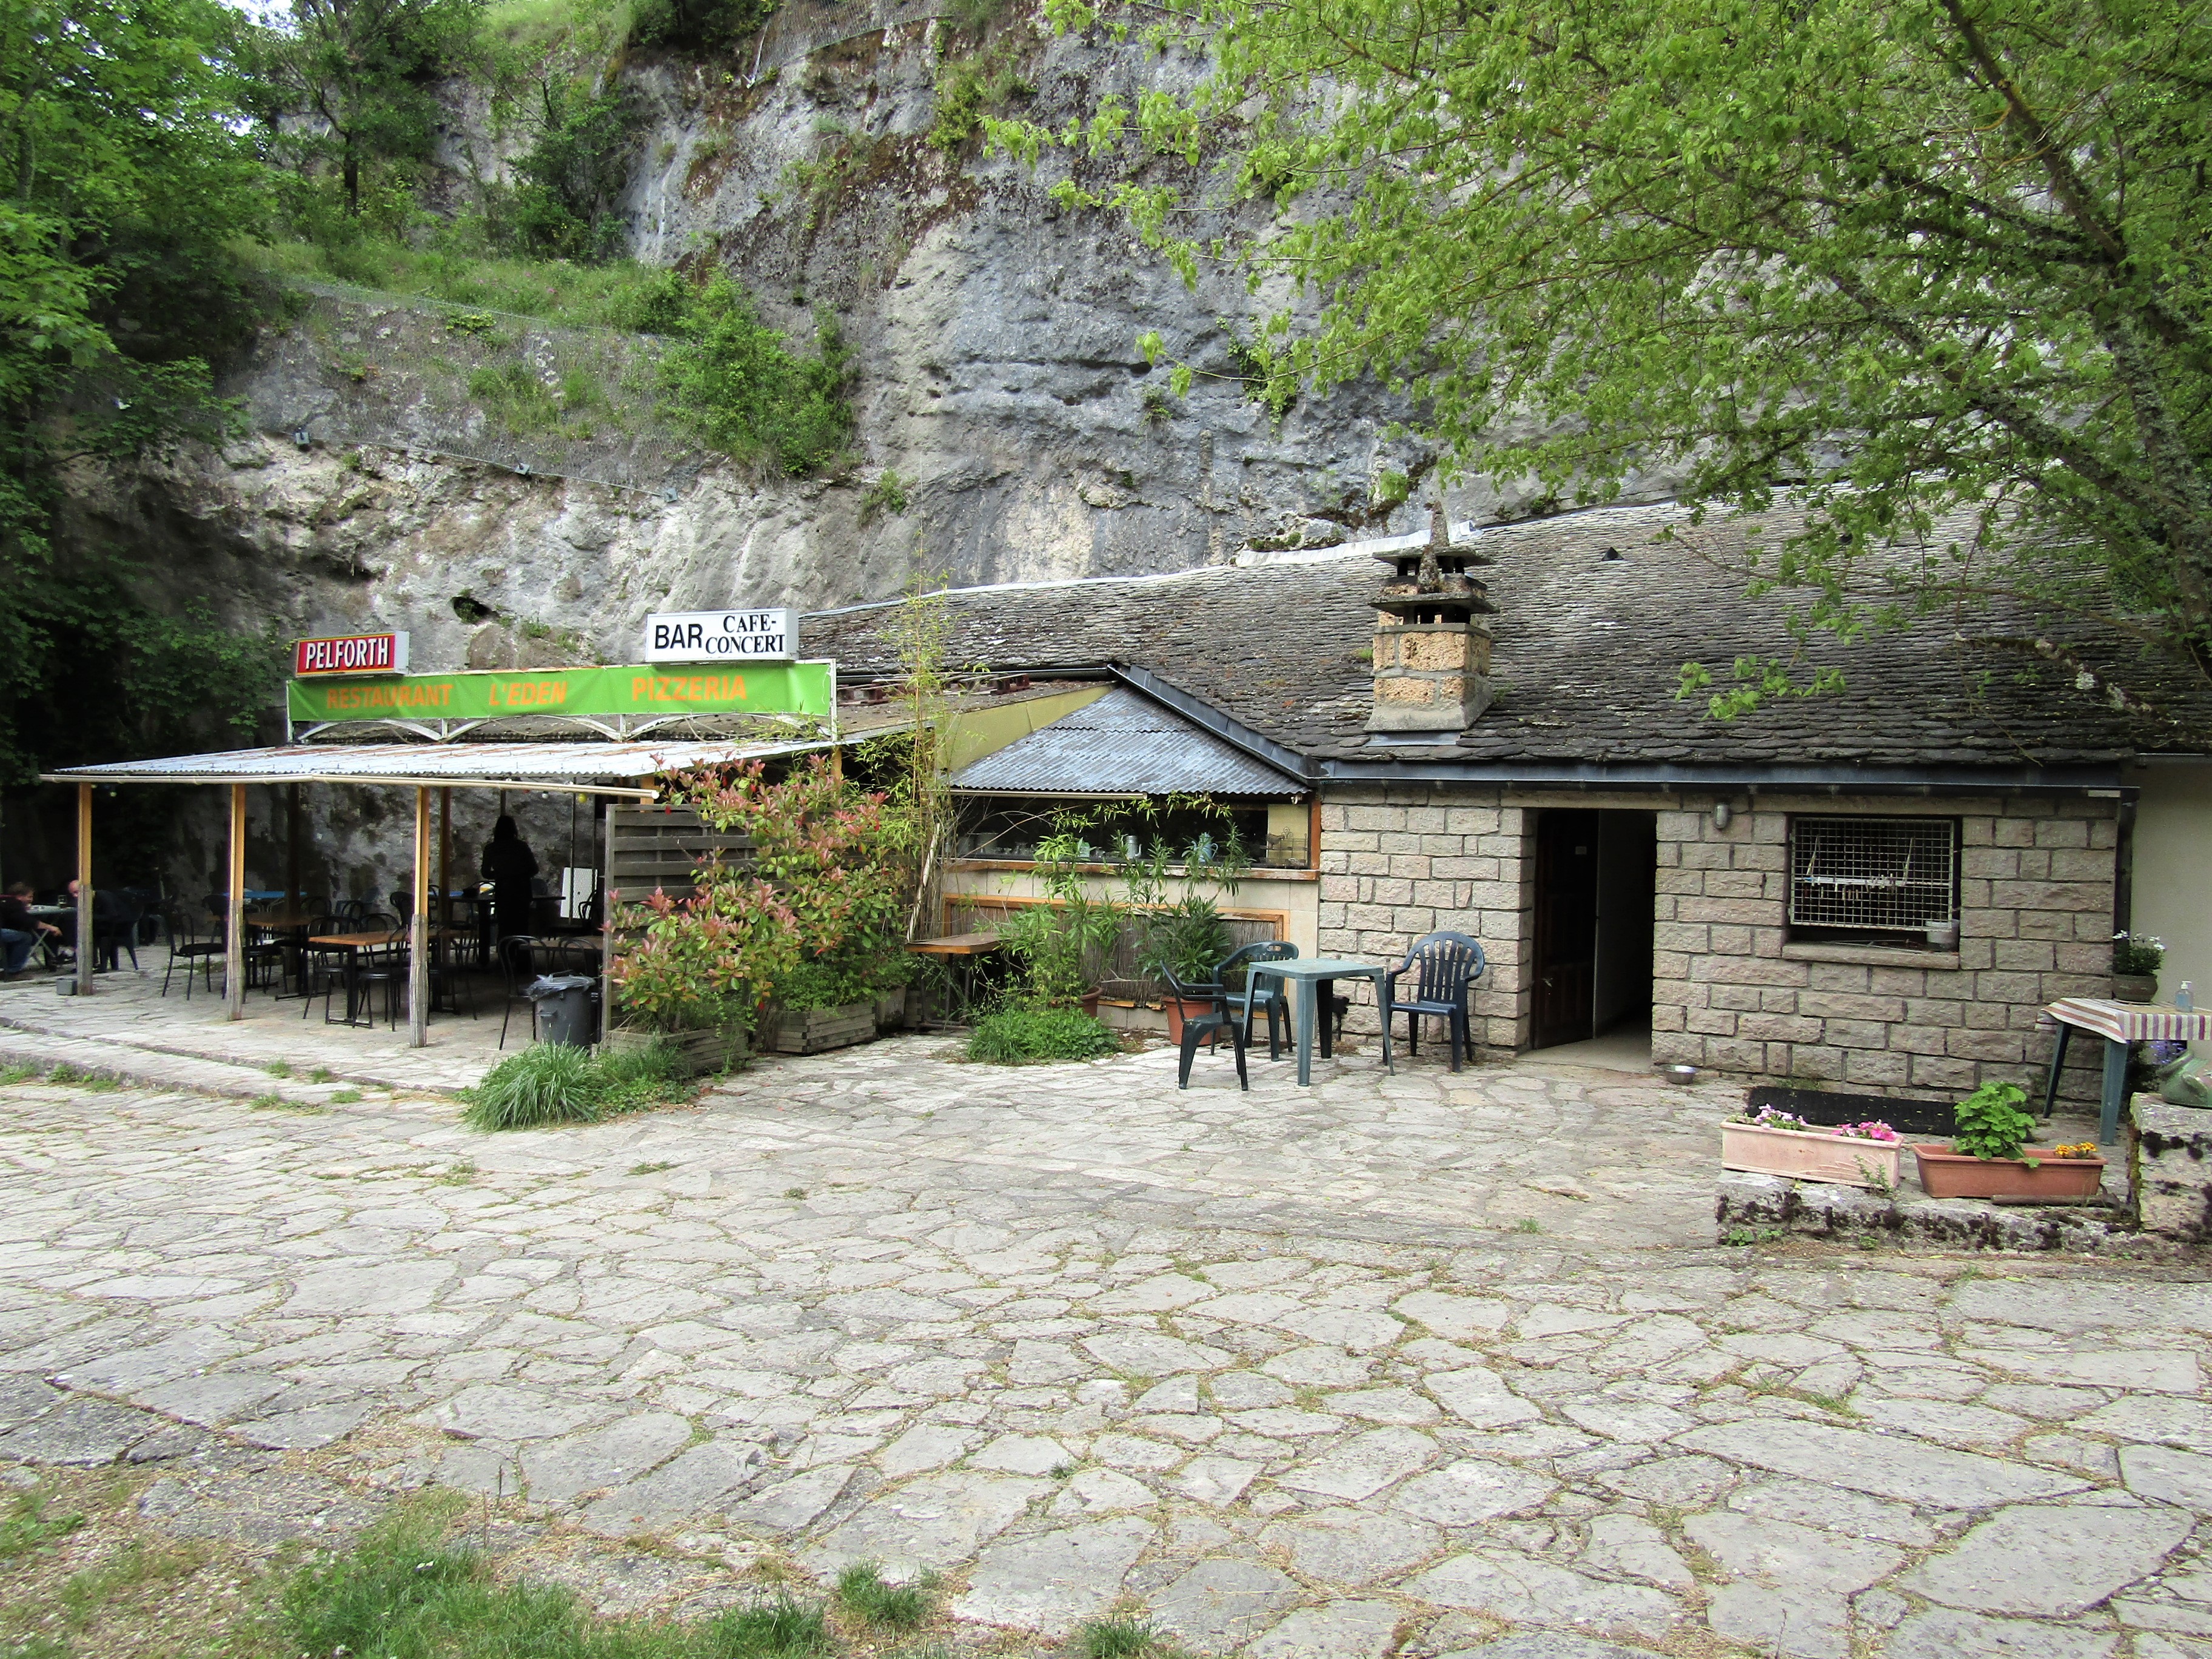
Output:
x=2185 y=999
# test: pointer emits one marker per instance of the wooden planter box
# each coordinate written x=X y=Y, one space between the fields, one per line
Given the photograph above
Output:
x=783 y=1032
x=1947 y=1174
x=713 y=1048
x=1796 y=1155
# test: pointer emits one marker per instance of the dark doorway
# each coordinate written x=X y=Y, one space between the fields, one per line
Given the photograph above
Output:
x=1596 y=877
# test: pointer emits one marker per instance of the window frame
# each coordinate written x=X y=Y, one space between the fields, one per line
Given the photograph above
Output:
x=1875 y=933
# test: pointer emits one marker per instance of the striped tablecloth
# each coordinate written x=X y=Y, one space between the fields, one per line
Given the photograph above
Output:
x=2129 y=1021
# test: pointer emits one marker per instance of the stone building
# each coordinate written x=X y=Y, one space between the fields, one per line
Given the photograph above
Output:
x=1880 y=886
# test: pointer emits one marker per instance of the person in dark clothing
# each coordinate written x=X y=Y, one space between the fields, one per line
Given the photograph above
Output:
x=20 y=929
x=509 y=865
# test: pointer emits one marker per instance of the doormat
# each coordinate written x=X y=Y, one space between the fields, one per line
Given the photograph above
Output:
x=1909 y=1117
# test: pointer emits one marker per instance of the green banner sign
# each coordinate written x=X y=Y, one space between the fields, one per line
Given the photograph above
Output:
x=783 y=688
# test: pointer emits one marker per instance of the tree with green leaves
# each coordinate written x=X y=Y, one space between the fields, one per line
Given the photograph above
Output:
x=352 y=85
x=126 y=180
x=1906 y=264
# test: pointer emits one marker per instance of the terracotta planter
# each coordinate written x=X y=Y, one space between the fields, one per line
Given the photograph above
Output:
x=1796 y=1155
x=1179 y=1009
x=2135 y=987
x=1947 y=1174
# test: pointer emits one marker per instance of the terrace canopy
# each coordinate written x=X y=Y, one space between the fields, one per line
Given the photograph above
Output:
x=616 y=769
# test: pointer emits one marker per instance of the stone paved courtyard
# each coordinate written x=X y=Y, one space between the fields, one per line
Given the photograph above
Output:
x=1403 y=1365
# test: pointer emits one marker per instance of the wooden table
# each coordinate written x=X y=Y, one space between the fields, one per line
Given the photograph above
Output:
x=2119 y=1023
x=1316 y=976
x=965 y=949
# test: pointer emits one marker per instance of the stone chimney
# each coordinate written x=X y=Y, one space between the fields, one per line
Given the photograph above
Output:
x=1431 y=654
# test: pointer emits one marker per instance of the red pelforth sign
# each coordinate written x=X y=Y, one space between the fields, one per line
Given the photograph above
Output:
x=350 y=653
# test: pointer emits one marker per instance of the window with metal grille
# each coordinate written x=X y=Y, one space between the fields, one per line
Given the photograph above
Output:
x=1872 y=876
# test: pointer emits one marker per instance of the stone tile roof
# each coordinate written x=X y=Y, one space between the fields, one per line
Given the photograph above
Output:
x=1588 y=650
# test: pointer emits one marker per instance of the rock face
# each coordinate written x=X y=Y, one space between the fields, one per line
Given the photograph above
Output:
x=994 y=335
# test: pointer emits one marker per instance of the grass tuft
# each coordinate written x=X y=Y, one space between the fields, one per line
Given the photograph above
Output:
x=551 y=1083
x=26 y=1525
x=783 y=1626
x=321 y=1074
x=344 y=1097
x=863 y=1595
x=1030 y=1036
x=655 y=1167
x=1119 y=1637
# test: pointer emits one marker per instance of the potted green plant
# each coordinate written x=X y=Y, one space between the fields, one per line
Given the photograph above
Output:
x=2136 y=958
x=1188 y=940
x=1985 y=1160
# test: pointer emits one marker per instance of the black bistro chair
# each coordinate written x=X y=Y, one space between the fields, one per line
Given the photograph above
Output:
x=1444 y=967
x=1247 y=998
x=517 y=968
x=1207 y=1028
x=195 y=944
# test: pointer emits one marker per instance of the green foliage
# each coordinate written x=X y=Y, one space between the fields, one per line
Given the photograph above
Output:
x=735 y=386
x=546 y=1083
x=818 y=909
x=1187 y=938
x=1121 y=1637
x=2135 y=955
x=26 y=1525
x=966 y=87
x=887 y=494
x=708 y=26
x=117 y=283
x=564 y=207
x=1936 y=269
x=552 y=1082
x=1990 y=1124
x=863 y=1595
x=405 y=1591
x=347 y=94
x=1029 y=1037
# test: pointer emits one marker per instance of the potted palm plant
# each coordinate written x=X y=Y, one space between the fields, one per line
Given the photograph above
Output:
x=1188 y=939
x=1985 y=1160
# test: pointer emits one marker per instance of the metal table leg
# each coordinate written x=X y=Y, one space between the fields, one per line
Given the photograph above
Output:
x=2116 y=1089
x=1308 y=994
x=1388 y=1064
x=2057 y=1060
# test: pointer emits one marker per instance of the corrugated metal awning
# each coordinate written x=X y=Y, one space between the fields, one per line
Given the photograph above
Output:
x=598 y=768
x=1125 y=744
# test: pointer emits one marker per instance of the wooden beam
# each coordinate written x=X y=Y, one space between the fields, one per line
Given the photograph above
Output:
x=418 y=930
x=295 y=890
x=233 y=943
x=85 y=950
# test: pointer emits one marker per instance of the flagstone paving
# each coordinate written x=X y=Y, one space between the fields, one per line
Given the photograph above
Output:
x=1426 y=1365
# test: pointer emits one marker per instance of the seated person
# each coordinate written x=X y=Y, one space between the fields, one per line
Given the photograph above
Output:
x=20 y=930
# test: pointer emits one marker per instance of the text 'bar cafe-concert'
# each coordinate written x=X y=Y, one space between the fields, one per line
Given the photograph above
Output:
x=708 y=687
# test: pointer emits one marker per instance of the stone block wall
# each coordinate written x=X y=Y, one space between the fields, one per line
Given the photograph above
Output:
x=1730 y=991
x=1399 y=862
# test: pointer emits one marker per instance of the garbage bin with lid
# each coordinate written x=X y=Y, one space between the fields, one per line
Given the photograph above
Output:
x=562 y=1003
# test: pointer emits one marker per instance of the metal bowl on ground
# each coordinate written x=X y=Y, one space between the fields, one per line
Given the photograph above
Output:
x=1684 y=1075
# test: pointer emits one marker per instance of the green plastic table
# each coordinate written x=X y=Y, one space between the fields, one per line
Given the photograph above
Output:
x=1314 y=975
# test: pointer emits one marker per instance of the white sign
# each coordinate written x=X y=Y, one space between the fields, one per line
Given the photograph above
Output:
x=721 y=636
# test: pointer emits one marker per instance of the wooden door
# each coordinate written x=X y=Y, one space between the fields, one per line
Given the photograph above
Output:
x=1566 y=927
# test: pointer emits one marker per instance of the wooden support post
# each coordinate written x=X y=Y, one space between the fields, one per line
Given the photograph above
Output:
x=233 y=943
x=85 y=949
x=295 y=890
x=445 y=858
x=418 y=929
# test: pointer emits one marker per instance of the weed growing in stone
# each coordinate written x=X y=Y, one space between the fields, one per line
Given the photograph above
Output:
x=863 y=1595
x=1751 y=1235
x=794 y=1192
x=406 y=1588
x=1119 y=1637
x=320 y=1074
x=11 y=1075
x=344 y=1097
x=278 y=1068
x=78 y=1077
x=1527 y=1223
x=139 y=1566
x=26 y=1525
x=278 y=1103
x=653 y=1168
